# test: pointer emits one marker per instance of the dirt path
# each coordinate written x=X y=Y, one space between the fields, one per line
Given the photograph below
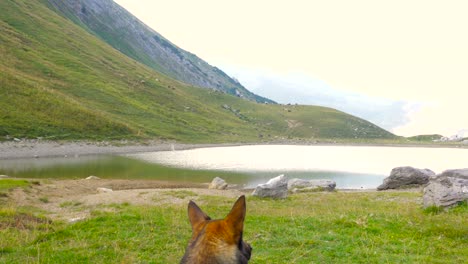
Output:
x=73 y=200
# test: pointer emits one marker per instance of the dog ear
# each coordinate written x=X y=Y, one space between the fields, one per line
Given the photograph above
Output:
x=196 y=216
x=236 y=217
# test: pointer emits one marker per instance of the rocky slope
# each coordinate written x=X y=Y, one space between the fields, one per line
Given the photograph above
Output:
x=123 y=31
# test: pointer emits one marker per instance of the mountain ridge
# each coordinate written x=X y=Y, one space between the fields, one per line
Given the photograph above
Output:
x=126 y=33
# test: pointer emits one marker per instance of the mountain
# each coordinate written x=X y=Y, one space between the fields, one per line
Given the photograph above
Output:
x=123 y=31
x=59 y=81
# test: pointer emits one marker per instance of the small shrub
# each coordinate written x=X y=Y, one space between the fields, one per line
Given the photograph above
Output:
x=44 y=199
x=70 y=204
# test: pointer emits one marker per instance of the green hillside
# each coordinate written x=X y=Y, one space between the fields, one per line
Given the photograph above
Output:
x=126 y=33
x=425 y=138
x=60 y=82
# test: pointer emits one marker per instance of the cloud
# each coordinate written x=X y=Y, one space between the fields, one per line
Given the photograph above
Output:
x=445 y=117
x=407 y=75
x=302 y=89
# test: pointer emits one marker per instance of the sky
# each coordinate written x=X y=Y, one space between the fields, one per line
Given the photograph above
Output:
x=401 y=64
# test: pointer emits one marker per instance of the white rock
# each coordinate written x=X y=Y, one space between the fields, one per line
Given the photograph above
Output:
x=103 y=190
x=301 y=185
x=218 y=184
x=275 y=188
x=76 y=219
x=93 y=178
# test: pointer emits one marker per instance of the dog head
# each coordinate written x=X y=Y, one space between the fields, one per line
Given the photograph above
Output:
x=217 y=241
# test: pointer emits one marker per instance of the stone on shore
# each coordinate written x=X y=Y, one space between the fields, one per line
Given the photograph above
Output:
x=301 y=185
x=401 y=177
x=104 y=190
x=4 y=176
x=274 y=188
x=447 y=189
x=93 y=178
x=218 y=184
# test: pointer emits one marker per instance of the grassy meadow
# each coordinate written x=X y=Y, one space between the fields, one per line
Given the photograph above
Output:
x=337 y=227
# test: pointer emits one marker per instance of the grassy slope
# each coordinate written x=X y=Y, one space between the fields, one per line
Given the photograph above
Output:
x=383 y=227
x=425 y=138
x=125 y=33
x=58 y=81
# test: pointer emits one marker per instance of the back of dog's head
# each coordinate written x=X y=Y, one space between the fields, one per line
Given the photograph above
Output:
x=217 y=241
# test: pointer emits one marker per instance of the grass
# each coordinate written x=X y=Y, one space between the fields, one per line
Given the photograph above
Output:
x=181 y=194
x=61 y=82
x=7 y=184
x=338 y=227
x=70 y=204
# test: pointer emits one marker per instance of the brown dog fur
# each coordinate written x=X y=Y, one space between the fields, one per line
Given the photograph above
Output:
x=217 y=241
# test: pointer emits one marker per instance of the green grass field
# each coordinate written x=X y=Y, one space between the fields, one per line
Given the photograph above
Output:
x=338 y=227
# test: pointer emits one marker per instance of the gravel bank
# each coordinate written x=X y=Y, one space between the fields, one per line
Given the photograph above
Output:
x=41 y=148
x=38 y=149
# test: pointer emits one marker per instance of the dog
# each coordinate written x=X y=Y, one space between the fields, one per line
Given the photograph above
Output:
x=217 y=241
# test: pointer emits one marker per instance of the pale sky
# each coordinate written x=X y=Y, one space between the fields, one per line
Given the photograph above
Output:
x=401 y=64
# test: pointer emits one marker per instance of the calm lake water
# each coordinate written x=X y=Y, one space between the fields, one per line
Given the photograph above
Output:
x=350 y=167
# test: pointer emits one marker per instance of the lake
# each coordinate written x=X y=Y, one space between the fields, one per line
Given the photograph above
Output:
x=350 y=166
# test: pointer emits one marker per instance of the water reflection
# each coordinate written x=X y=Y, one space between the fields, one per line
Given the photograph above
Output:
x=110 y=167
x=365 y=160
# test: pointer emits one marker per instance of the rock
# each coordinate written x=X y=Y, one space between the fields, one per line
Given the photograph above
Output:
x=218 y=183
x=4 y=176
x=406 y=177
x=301 y=185
x=93 y=178
x=76 y=219
x=448 y=188
x=274 y=188
x=104 y=190
x=459 y=173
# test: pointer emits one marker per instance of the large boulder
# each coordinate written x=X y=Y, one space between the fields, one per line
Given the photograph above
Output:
x=448 y=188
x=406 y=177
x=301 y=185
x=218 y=184
x=274 y=188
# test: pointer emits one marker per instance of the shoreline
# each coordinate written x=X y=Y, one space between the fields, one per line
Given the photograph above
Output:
x=88 y=194
x=25 y=149
x=28 y=149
